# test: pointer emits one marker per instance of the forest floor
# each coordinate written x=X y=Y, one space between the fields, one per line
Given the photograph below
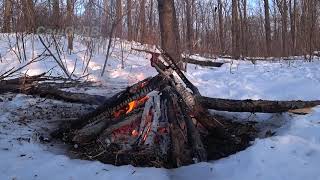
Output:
x=293 y=152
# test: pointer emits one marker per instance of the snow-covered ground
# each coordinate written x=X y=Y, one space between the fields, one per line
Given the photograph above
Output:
x=293 y=153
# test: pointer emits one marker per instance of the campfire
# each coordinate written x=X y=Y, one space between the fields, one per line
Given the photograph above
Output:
x=156 y=122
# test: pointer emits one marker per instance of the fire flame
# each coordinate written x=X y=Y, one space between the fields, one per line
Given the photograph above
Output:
x=131 y=106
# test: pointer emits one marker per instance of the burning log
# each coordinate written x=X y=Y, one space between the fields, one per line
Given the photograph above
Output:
x=119 y=104
x=165 y=127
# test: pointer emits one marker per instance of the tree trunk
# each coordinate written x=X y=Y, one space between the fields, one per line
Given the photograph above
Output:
x=245 y=29
x=129 y=20
x=56 y=14
x=235 y=30
x=151 y=39
x=267 y=27
x=28 y=13
x=70 y=6
x=119 y=19
x=221 y=29
x=284 y=28
x=293 y=12
x=170 y=40
x=189 y=34
x=283 y=8
x=142 y=21
x=7 y=16
x=240 y=24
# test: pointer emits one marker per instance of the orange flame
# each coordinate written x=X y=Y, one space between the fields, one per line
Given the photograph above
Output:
x=131 y=106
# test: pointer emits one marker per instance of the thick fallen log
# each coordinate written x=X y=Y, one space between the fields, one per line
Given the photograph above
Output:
x=260 y=106
x=54 y=93
x=31 y=86
x=38 y=85
x=202 y=63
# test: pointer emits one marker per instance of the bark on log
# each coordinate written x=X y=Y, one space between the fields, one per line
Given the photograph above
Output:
x=260 y=106
x=199 y=153
x=180 y=152
x=35 y=85
x=202 y=63
x=53 y=93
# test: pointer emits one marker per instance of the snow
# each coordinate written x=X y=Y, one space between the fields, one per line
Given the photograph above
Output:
x=293 y=153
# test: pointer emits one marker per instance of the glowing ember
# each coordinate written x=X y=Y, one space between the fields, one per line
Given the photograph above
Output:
x=145 y=135
x=162 y=130
x=117 y=114
x=135 y=133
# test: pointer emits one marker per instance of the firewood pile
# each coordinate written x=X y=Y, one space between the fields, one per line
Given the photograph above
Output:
x=156 y=122
x=164 y=121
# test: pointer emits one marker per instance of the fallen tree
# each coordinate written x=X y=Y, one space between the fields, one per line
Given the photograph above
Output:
x=36 y=85
x=260 y=106
x=50 y=87
x=202 y=63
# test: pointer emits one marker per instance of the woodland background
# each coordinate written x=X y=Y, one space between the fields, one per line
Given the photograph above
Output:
x=240 y=28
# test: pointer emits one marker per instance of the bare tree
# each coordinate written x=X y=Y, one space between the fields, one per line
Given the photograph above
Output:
x=235 y=30
x=189 y=34
x=283 y=9
x=209 y=28
x=70 y=7
x=244 y=29
x=129 y=20
x=7 y=16
x=169 y=30
x=142 y=21
x=293 y=14
x=119 y=18
x=221 y=28
x=267 y=27
x=151 y=24
x=56 y=14
x=28 y=13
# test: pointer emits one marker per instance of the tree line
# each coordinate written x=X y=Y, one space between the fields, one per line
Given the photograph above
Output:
x=239 y=28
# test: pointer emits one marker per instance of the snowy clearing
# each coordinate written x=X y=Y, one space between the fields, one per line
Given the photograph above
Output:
x=293 y=153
